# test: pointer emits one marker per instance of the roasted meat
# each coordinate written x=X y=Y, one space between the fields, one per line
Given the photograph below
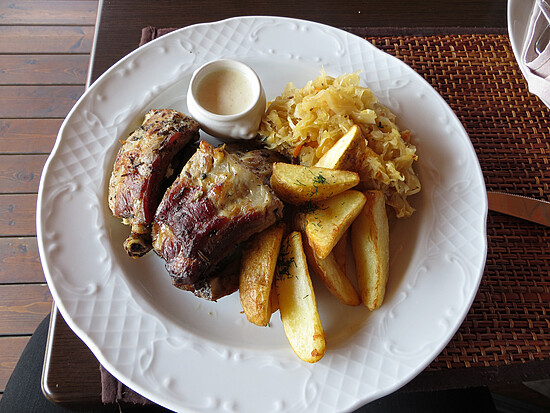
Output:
x=142 y=170
x=259 y=160
x=214 y=205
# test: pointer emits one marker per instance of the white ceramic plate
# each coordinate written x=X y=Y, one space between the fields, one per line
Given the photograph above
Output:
x=191 y=355
x=519 y=14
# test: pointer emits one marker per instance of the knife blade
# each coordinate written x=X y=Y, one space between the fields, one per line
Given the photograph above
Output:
x=530 y=209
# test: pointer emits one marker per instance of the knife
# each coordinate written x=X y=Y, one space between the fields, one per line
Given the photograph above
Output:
x=530 y=209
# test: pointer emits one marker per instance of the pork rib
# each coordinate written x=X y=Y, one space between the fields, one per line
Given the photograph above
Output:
x=141 y=167
x=216 y=203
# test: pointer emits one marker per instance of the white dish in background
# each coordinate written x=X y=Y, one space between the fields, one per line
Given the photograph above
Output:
x=519 y=13
x=191 y=355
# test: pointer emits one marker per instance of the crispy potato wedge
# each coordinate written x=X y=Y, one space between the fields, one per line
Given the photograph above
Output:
x=347 y=153
x=326 y=221
x=370 y=244
x=258 y=266
x=330 y=272
x=298 y=184
x=340 y=251
x=297 y=303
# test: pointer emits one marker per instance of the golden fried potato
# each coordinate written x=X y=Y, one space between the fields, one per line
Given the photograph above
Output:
x=326 y=221
x=347 y=153
x=340 y=251
x=298 y=184
x=370 y=243
x=257 y=270
x=297 y=303
x=332 y=276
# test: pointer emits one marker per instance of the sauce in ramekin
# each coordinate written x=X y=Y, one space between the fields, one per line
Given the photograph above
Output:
x=225 y=92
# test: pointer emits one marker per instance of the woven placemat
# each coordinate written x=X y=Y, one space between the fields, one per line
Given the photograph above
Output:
x=479 y=78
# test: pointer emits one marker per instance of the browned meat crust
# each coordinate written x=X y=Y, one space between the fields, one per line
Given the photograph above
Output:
x=258 y=159
x=215 y=204
x=141 y=168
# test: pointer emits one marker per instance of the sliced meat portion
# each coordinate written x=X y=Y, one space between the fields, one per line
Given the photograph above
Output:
x=142 y=169
x=215 y=204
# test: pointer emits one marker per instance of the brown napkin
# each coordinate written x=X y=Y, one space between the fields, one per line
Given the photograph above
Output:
x=149 y=33
x=113 y=391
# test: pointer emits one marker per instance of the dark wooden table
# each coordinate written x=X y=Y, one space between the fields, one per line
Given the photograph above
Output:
x=71 y=374
x=121 y=21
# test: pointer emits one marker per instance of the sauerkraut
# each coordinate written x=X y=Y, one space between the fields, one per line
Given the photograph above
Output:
x=304 y=123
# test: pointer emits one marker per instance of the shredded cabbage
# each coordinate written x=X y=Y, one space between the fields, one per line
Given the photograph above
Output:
x=305 y=123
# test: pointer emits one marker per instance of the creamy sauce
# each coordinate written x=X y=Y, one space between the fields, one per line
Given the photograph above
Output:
x=225 y=92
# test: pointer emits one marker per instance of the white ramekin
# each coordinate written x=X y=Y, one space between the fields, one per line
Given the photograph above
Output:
x=242 y=125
